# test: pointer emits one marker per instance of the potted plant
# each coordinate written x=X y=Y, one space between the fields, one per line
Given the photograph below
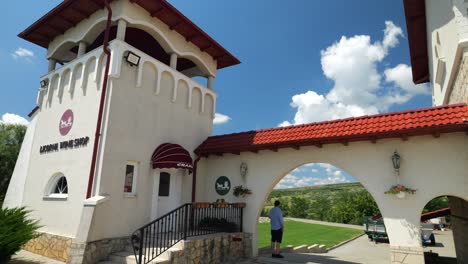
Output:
x=400 y=190
x=241 y=191
x=220 y=203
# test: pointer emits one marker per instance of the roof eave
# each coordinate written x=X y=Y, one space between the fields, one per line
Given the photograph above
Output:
x=415 y=14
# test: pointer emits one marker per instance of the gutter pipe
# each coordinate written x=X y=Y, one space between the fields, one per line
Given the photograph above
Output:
x=194 y=181
x=102 y=102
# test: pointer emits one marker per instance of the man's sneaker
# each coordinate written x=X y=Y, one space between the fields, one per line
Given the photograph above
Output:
x=279 y=256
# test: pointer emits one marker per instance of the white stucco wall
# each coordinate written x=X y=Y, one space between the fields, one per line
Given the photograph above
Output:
x=15 y=193
x=75 y=86
x=145 y=107
x=449 y=21
x=148 y=105
x=368 y=163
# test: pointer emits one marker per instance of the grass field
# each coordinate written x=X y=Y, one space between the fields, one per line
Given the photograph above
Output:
x=298 y=233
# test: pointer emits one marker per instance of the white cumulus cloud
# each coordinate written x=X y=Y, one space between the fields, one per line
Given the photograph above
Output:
x=23 y=53
x=332 y=175
x=359 y=88
x=9 y=118
x=221 y=119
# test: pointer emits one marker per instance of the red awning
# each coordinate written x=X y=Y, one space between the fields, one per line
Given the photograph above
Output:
x=169 y=155
x=435 y=214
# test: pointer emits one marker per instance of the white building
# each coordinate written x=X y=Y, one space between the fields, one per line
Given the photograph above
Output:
x=119 y=141
x=438 y=39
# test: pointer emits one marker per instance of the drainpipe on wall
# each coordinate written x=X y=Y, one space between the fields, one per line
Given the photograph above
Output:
x=194 y=181
x=102 y=102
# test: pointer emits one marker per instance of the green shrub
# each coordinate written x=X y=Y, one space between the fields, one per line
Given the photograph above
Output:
x=16 y=229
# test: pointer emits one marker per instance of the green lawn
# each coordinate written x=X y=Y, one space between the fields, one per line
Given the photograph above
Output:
x=298 y=233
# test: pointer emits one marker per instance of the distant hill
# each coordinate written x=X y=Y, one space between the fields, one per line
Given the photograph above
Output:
x=329 y=190
x=343 y=202
x=326 y=187
x=347 y=203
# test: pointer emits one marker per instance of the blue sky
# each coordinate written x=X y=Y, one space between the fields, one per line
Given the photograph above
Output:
x=302 y=60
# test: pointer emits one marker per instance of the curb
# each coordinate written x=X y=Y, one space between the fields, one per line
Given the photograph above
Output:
x=345 y=242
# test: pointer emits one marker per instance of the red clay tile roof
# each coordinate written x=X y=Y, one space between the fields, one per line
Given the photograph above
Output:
x=426 y=121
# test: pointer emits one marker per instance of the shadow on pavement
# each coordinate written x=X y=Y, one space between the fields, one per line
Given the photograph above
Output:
x=304 y=258
x=431 y=246
x=21 y=261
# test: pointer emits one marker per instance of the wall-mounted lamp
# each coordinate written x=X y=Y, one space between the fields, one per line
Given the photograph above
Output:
x=44 y=83
x=132 y=58
x=396 y=162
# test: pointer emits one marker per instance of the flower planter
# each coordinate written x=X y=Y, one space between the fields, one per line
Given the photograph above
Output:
x=401 y=195
x=201 y=205
x=221 y=205
x=239 y=205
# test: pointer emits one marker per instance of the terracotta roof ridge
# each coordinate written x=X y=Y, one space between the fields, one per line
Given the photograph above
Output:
x=410 y=111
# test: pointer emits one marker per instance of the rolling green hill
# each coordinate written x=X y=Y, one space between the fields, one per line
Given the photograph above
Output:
x=345 y=203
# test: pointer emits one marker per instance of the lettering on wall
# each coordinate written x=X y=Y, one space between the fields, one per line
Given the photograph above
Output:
x=64 y=145
x=65 y=125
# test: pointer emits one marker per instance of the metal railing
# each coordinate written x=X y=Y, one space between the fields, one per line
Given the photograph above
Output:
x=188 y=220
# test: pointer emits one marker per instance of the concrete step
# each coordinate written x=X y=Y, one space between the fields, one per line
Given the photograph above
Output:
x=300 y=249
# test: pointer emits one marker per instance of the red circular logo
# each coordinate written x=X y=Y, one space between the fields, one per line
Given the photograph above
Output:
x=66 y=122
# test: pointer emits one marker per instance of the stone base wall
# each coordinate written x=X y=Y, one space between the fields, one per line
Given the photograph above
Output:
x=96 y=251
x=218 y=248
x=406 y=255
x=459 y=220
x=51 y=246
x=459 y=93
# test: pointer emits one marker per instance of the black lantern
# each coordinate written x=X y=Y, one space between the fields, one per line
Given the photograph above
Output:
x=396 y=161
x=132 y=59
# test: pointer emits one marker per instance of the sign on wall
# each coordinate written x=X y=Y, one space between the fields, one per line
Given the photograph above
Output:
x=66 y=122
x=65 y=125
x=222 y=185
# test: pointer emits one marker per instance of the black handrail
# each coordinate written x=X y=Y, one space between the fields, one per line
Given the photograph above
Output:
x=188 y=220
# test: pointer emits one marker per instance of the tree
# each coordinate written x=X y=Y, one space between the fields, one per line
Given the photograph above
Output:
x=319 y=208
x=299 y=207
x=11 y=137
x=436 y=204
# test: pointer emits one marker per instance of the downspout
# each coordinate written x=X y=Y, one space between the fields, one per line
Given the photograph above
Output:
x=194 y=181
x=102 y=102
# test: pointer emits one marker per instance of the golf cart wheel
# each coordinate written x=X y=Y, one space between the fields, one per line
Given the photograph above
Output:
x=432 y=240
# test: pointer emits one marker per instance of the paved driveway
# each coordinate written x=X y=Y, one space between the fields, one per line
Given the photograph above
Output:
x=360 y=251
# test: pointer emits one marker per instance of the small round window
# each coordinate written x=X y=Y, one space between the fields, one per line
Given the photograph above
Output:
x=58 y=187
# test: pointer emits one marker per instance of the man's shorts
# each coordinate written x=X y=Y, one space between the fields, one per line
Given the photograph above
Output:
x=277 y=235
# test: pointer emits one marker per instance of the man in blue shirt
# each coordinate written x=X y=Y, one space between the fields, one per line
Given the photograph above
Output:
x=277 y=226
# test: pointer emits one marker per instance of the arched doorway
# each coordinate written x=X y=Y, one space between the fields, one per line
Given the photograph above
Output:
x=444 y=227
x=323 y=206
